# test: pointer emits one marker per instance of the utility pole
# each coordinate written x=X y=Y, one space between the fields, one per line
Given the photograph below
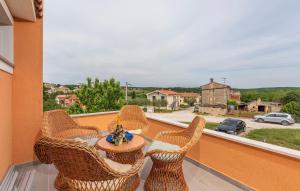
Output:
x=224 y=80
x=126 y=91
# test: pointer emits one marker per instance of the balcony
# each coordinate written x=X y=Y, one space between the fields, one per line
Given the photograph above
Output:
x=41 y=177
x=218 y=162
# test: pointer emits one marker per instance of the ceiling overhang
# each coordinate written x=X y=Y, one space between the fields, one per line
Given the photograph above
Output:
x=25 y=9
x=5 y=16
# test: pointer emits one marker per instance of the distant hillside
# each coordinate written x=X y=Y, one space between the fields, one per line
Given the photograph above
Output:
x=266 y=94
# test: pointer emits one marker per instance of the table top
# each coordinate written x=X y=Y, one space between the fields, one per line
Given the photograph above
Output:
x=136 y=143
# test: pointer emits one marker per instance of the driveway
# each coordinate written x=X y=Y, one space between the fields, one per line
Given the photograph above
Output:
x=188 y=115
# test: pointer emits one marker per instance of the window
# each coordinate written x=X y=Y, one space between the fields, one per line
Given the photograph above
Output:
x=153 y=98
x=281 y=115
x=6 y=43
x=163 y=97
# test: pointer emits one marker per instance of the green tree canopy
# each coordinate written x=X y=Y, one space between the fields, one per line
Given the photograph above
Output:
x=232 y=102
x=291 y=96
x=293 y=108
x=99 y=96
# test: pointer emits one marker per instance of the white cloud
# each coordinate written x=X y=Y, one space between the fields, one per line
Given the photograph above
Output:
x=173 y=42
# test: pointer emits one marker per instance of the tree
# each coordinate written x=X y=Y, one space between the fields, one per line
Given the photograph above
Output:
x=293 y=108
x=49 y=102
x=190 y=101
x=76 y=108
x=138 y=101
x=99 y=96
x=133 y=95
x=160 y=103
x=232 y=102
x=291 y=96
x=163 y=103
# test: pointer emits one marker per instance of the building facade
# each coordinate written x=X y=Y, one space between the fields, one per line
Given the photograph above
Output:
x=264 y=106
x=172 y=98
x=215 y=94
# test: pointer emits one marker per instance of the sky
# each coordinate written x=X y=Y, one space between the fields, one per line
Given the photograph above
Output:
x=168 y=43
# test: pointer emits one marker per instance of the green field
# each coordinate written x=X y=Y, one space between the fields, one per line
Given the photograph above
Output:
x=289 y=138
x=209 y=125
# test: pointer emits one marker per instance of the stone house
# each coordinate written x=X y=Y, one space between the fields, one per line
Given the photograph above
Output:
x=215 y=94
x=172 y=98
x=264 y=106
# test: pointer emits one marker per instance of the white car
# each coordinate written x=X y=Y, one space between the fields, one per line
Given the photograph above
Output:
x=282 y=118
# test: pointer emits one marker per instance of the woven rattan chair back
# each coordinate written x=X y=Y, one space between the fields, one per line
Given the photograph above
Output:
x=75 y=160
x=56 y=121
x=132 y=117
x=166 y=173
x=81 y=168
x=194 y=132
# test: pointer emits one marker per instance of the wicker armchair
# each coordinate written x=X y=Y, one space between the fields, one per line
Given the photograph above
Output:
x=167 y=153
x=132 y=118
x=81 y=168
x=58 y=124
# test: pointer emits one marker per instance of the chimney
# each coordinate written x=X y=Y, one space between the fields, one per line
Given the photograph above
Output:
x=211 y=80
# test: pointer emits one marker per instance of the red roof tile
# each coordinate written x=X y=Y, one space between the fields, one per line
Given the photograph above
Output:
x=168 y=92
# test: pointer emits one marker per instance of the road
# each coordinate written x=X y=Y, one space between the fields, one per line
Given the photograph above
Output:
x=188 y=115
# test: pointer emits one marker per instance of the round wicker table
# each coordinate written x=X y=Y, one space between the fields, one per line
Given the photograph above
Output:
x=125 y=153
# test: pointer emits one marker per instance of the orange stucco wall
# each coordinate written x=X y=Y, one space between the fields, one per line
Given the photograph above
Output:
x=100 y=121
x=27 y=96
x=5 y=121
x=259 y=169
x=254 y=167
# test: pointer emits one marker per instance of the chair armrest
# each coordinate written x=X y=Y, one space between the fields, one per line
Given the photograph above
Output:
x=168 y=133
x=136 y=167
x=173 y=137
x=133 y=171
x=159 y=151
x=89 y=127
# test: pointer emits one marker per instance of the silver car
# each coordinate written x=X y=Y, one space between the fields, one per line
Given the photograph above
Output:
x=282 y=118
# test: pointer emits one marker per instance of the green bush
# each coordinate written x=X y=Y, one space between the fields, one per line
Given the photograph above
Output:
x=291 y=96
x=138 y=101
x=293 y=108
x=232 y=102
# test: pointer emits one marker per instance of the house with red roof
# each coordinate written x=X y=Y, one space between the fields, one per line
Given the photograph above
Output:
x=66 y=100
x=172 y=98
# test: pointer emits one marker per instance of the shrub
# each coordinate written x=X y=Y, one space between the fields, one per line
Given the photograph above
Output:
x=293 y=108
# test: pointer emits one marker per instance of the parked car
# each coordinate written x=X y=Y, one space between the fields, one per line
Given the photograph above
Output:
x=282 y=118
x=232 y=126
x=196 y=108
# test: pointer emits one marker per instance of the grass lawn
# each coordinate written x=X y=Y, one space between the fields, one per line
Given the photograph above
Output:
x=283 y=137
x=209 y=125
